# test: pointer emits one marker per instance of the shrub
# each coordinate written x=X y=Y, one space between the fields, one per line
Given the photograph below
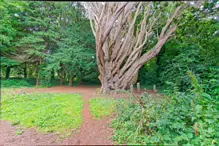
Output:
x=15 y=83
x=148 y=73
x=181 y=119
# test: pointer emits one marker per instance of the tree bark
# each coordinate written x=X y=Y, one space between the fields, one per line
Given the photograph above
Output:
x=52 y=74
x=8 y=70
x=62 y=76
x=70 y=80
x=37 y=74
x=120 y=43
x=25 y=70
x=37 y=81
x=61 y=81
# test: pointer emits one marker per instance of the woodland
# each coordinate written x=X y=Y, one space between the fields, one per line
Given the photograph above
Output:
x=113 y=46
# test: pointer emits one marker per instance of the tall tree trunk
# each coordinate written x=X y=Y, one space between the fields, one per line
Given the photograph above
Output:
x=61 y=74
x=25 y=70
x=52 y=74
x=120 y=43
x=8 y=70
x=61 y=81
x=61 y=77
x=37 y=74
x=64 y=75
x=37 y=81
x=70 y=79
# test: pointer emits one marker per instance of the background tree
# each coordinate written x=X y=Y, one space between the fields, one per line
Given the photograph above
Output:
x=9 y=25
x=32 y=31
x=195 y=48
x=72 y=57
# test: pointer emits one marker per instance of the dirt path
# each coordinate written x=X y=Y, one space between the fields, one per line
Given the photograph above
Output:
x=91 y=132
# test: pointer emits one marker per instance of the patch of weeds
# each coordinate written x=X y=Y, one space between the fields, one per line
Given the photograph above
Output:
x=101 y=107
x=48 y=112
x=15 y=123
x=19 y=131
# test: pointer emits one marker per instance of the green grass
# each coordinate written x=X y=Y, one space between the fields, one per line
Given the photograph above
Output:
x=102 y=107
x=49 y=112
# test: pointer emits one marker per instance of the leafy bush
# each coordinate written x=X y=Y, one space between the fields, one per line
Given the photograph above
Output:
x=48 y=112
x=211 y=82
x=91 y=78
x=45 y=83
x=148 y=73
x=182 y=119
x=15 y=83
x=194 y=47
x=31 y=81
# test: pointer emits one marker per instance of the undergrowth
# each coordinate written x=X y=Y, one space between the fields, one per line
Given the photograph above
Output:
x=179 y=119
x=48 y=112
x=14 y=83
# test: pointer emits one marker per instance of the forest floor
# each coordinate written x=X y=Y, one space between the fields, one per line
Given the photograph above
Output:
x=92 y=131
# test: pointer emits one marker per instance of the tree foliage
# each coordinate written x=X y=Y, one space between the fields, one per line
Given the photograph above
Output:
x=38 y=35
x=195 y=47
x=74 y=55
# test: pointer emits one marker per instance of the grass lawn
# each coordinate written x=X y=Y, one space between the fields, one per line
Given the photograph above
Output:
x=49 y=112
x=101 y=107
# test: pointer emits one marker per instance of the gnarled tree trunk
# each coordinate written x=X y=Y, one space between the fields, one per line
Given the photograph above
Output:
x=119 y=42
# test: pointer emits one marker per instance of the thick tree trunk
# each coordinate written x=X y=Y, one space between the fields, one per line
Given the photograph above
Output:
x=25 y=70
x=120 y=43
x=8 y=70
x=123 y=78
x=114 y=84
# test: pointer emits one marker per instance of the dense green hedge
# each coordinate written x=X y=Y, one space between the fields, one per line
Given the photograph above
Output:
x=16 y=83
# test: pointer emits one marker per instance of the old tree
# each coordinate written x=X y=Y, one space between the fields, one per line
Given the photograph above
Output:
x=122 y=31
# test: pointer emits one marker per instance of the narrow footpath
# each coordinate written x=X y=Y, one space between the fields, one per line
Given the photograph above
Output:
x=92 y=131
